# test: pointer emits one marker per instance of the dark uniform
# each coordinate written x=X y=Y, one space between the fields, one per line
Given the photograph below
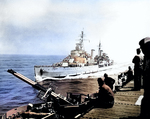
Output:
x=109 y=81
x=137 y=60
x=129 y=74
x=145 y=106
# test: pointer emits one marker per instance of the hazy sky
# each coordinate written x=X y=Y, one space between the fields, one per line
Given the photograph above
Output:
x=49 y=27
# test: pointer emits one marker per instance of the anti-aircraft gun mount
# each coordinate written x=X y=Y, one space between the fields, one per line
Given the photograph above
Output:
x=55 y=106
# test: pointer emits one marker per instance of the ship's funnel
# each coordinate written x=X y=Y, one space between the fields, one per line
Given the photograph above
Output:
x=92 y=53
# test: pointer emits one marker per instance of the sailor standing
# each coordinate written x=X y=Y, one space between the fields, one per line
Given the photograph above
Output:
x=145 y=105
x=138 y=62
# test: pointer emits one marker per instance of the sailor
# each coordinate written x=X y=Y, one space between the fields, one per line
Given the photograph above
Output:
x=29 y=107
x=129 y=74
x=145 y=105
x=138 y=61
x=105 y=95
x=109 y=81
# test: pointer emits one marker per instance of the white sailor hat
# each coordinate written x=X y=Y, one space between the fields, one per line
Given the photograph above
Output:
x=144 y=41
x=145 y=46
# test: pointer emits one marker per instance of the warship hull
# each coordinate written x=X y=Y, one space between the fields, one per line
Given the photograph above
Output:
x=57 y=73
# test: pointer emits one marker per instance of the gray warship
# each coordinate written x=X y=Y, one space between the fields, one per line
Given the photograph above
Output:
x=79 y=62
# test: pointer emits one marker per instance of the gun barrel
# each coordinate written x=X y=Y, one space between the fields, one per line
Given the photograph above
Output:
x=35 y=84
x=27 y=80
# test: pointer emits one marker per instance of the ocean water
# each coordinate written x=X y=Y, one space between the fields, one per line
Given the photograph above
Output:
x=14 y=92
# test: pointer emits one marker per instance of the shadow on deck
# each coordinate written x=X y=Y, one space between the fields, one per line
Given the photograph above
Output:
x=124 y=107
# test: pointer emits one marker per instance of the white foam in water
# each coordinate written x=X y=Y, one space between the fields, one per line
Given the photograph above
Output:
x=110 y=70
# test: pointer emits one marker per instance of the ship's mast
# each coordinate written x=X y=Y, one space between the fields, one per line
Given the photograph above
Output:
x=81 y=41
x=99 y=49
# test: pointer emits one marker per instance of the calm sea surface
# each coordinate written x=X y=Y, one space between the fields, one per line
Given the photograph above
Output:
x=14 y=92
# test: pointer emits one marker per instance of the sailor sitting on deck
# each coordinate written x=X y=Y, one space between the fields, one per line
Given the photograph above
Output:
x=109 y=81
x=105 y=95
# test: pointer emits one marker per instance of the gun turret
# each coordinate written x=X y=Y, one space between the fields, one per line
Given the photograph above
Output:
x=70 y=107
